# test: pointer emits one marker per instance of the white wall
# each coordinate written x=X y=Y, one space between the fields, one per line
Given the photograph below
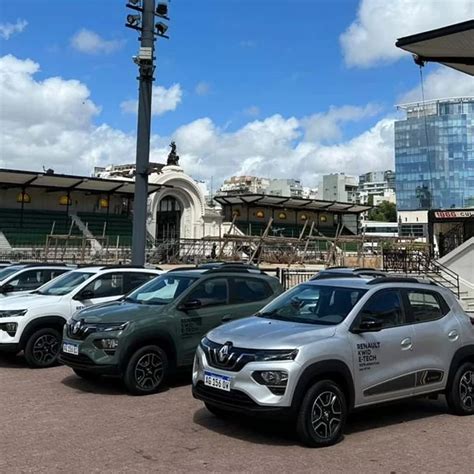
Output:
x=461 y=260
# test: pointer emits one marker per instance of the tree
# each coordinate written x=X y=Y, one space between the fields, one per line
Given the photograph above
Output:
x=385 y=211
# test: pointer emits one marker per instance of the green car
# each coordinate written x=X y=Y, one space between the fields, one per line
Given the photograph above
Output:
x=155 y=329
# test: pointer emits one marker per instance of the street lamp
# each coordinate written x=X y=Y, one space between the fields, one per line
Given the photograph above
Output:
x=144 y=22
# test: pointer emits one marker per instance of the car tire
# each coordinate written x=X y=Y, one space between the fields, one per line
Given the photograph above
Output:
x=86 y=375
x=322 y=415
x=460 y=395
x=217 y=411
x=42 y=348
x=146 y=370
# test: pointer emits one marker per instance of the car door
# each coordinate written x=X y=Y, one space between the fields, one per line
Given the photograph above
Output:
x=194 y=322
x=437 y=336
x=383 y=360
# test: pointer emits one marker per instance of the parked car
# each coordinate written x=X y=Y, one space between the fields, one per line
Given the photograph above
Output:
x=23 y=278
x=34 y=322
x=329 y=346
x=155 y=329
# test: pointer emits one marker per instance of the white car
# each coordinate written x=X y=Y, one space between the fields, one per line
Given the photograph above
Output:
x=33 y=322
x=22 y=278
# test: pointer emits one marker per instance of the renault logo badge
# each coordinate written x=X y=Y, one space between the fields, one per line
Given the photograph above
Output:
x=76 y=327
x=223 y=353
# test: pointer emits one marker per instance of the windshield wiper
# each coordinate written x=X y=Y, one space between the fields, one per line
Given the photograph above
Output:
x=131 y=300
x=265 y=314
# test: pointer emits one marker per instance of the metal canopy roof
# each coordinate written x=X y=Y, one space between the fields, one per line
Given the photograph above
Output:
x=452 y=46
x=291 y=202
x=64 y=182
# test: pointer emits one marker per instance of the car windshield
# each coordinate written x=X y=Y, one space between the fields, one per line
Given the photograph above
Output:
x=161 y=290
x=64 y=284
x=313 y=304
x=7 y=271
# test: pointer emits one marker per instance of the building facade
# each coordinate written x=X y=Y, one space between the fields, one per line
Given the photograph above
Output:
x=339 y=187
x=376 y=187
x=434 y=155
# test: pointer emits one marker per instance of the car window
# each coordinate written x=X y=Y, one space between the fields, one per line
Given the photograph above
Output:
x=246 y=290
x=28 y=280
x=424 y=306
x=211 y=292
x=134 y=280
x=161 y=290
x=314 y=304
x=65 y=283
x=386 y=307
x=110 y=284
x=54 y=273
x=6 y=272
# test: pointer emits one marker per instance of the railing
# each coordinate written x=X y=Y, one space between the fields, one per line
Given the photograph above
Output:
x=420 y=263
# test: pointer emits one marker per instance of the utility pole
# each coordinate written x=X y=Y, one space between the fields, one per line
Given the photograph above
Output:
x=145 y=24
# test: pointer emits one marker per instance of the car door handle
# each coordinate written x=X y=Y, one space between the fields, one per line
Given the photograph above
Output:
x=453 y=335
x=226 y=318
x=406 y=344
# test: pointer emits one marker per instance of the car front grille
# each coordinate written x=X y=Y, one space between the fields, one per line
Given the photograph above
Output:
x=235 y=359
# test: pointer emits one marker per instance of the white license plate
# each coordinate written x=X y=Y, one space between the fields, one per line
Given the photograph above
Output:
x=69 y=348
x=221 y=382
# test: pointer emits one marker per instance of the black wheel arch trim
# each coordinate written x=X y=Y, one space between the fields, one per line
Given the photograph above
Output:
x=332 y=369
x=463 y=354
x=150 y=338
x=41 y=323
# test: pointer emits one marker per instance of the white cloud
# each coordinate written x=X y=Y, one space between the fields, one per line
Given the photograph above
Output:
x=442 y=83
x=202 y=88
x=327 y=126
x=252 y=111
x=89 y=42
x=9 y=29
x=52 y=123
x=371 y=37
x=163 y=100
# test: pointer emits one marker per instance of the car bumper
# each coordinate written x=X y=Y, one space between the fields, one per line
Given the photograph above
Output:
x=82 y=362
x=246 y=395
x=90 y=358
x=9 y=347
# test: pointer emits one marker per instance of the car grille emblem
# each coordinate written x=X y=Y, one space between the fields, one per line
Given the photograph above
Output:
x=223 y=353
x=77 y=327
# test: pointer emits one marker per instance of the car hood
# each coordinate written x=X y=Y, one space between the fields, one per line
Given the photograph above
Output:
x=117 y=312
x=262 y=333
x=28 y=301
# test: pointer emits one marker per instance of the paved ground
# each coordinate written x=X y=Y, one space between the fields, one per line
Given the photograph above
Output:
x=52 y=421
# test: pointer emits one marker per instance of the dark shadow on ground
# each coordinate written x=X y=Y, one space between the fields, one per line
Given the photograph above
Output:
x=271 y=432
x=114 y=386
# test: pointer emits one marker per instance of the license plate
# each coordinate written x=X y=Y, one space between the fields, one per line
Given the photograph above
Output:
x=69 y=348
x=220 y=382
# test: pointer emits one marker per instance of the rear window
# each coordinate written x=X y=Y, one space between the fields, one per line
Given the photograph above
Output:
x=426 y=306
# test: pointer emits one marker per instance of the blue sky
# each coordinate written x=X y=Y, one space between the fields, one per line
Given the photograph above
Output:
x=235 y=62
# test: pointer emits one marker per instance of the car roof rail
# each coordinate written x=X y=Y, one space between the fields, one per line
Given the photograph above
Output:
x=113 y=266
x=44 y=264
x=378 y=280
x=235 y=269
x=184 y=269
x=336 y=267
x=361 y=269
x=322 y=275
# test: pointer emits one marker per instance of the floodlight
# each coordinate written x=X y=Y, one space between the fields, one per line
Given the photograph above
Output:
x=161 y=28
x=133 y=20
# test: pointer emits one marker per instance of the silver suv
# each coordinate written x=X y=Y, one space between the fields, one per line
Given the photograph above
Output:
x=326 y=347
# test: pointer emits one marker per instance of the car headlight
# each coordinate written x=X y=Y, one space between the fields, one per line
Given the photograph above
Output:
x=272 y=355
x=109 y=327
x=13 y=313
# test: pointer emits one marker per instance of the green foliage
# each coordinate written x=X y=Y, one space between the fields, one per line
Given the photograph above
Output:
x=385 y=211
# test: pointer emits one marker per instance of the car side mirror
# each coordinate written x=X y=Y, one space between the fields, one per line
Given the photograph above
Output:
x=368 y=324
x=189 y=305
x=7 y=288
x=84 y=295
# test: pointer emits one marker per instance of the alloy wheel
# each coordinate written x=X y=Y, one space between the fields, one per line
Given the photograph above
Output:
x=326 y=414
x=149 y=371
x=466 y=389
x=45 y=349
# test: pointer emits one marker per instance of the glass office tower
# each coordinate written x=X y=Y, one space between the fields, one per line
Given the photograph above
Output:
x=434 y=155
